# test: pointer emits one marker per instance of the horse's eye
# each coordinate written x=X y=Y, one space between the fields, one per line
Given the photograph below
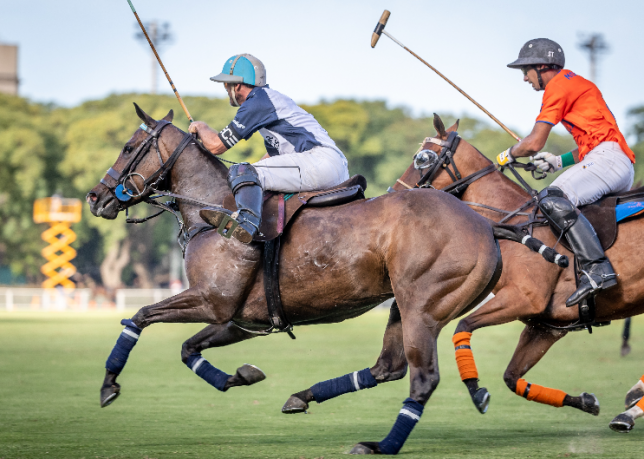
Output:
x=127 y=150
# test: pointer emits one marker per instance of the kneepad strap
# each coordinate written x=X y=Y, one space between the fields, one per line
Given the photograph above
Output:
x=242 y=174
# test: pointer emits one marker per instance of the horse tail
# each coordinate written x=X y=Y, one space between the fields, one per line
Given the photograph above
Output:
x=516 y=234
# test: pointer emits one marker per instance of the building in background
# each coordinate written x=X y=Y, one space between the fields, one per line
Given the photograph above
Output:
x=9 y=69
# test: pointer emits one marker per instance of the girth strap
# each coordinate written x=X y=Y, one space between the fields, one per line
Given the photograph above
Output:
x=276 y=314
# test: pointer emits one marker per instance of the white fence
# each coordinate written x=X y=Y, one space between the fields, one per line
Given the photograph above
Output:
x=38 y=299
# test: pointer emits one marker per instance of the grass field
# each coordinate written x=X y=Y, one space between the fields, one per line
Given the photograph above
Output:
x=52 y=365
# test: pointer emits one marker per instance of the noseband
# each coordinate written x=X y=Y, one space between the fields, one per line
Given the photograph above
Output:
x=119 y=189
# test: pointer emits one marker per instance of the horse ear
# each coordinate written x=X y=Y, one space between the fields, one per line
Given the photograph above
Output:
x=147 y=119
x=169 y=116
x=454 y=128
x=439 y=126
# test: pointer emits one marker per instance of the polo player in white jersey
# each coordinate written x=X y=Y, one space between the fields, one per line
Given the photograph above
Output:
x=300 y=154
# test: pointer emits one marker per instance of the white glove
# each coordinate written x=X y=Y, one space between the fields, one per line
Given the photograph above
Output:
x=547 y=162
x=505 y=157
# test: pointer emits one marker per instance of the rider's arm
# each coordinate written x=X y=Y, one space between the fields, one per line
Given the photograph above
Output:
x=534 y=142
x=209 y=137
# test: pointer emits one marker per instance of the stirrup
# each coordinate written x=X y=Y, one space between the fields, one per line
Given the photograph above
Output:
x=221 y=229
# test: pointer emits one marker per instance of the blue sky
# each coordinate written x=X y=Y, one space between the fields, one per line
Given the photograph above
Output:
x=71 y=51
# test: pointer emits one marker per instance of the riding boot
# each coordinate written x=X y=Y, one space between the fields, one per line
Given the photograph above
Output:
x=596 y=271
x=243 y=225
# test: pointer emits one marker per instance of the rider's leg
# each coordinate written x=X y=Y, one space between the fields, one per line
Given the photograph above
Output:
x=597 y=272
x=249 y=197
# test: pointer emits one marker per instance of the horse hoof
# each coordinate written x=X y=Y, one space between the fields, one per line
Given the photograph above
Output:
x=250 y=374
x=367 y=447
x=481 y=400
x=633 y=397
x=109 y=394
x=623 y=423
x=295 y=405
x=589 y=404
x=626 y=349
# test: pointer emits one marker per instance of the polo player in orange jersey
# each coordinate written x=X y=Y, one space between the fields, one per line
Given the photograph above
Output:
x=602 y=164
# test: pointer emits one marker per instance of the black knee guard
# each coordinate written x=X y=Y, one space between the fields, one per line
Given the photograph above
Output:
x=557 y=208
x=242 y=174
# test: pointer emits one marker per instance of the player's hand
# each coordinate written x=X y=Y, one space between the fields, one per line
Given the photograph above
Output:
x=195 y=126
x=547 y=162
x=505 y=157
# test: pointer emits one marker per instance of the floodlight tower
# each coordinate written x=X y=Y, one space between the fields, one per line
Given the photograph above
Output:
x=595 y=45
x=60 y=213
x=160 y=35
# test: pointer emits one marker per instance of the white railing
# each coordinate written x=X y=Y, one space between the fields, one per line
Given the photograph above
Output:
x=39 y=299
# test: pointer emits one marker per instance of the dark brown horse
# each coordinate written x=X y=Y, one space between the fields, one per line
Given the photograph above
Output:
x=530 y=289
x=436 y=255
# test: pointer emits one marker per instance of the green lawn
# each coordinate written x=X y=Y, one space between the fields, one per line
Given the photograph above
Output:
x=52 y=364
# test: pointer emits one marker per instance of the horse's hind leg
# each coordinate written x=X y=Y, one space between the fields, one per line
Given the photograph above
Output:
x=217 y=336
x=187 y=306
x=420 y=351
x=634 y=402
x=391 y=366
x=535 y=341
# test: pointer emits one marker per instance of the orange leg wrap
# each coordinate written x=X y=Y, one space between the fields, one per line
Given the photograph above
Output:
x=464 y=356
x=540 y=394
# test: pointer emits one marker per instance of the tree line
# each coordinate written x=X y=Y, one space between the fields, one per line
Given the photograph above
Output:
x=46 y=149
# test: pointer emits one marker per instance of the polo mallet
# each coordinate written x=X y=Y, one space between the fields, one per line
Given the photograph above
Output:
x=176 y=93
x=380 y=29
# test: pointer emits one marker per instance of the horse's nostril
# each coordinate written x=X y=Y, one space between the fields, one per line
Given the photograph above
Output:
x=91 y=197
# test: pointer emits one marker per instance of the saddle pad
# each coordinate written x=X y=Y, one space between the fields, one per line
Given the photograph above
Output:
x=280 y=208
x=628 y=209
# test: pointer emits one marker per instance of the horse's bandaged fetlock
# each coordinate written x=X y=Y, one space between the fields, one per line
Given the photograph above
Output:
x=350 y=382
x=464 y=356
x=202 y=368
x=540 y=394
x=407 y=419
x=124 y=345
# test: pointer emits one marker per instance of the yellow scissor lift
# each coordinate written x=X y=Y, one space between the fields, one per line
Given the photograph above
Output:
x=60 y=213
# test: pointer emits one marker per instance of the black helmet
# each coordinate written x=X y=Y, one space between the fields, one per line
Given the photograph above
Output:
x=539 y=51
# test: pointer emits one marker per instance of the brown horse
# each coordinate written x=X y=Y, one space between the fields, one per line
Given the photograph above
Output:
x=530 y=289
x=435 y=254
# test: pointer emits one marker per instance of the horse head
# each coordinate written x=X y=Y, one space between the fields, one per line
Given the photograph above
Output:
x=137 y=169
x=441 y=160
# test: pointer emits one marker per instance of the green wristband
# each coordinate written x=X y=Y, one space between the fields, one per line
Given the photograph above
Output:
x=567 y=159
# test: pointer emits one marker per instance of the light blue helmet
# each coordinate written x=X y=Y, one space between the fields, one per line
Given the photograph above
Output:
x=243 y=68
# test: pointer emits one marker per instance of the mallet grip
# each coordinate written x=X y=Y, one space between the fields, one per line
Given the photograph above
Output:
x=375 y=36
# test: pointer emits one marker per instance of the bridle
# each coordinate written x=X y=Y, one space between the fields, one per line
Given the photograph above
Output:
x=445 y=159
x=155 y=183
x=119 y=188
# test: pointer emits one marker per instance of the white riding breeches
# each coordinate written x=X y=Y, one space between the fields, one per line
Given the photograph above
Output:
x=317 y=169
x=604 y=170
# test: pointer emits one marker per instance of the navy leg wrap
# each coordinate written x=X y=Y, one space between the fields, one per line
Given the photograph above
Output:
x=407 y=418
x=128 y=338
x=213 y=376
x=348 y=383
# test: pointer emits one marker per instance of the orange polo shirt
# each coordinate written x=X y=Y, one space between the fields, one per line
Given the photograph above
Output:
x=578 y=104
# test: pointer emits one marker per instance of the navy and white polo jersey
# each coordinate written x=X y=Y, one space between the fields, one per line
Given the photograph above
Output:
x=286 y=128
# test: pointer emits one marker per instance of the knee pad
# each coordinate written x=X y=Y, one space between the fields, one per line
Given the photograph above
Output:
x=557 y=207
x=242 y=174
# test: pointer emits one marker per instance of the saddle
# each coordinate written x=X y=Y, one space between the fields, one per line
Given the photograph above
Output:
x=603 y=215
x=280 y=208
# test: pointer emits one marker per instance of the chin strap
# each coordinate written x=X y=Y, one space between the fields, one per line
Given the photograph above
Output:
x=233 y=96
x=541 y=86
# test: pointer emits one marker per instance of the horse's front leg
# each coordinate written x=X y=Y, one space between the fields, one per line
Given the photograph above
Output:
x=391 y=366
x=216 y=336
x=187 y=307
x=535 y=341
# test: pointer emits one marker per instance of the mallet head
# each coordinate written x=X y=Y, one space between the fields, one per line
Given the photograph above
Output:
x=379 y=28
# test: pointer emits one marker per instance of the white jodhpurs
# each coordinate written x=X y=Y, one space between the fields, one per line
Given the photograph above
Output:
x=316 y=169
x=604 y=170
